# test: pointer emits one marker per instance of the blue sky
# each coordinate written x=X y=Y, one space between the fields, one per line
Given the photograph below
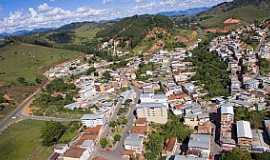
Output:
x=29 y=14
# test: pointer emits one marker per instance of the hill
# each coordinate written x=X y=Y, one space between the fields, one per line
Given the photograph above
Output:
x=188 y=12
x=246 y=10
x=21 y=64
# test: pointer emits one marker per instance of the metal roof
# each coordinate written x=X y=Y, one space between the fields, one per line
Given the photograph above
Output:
x=244 y=129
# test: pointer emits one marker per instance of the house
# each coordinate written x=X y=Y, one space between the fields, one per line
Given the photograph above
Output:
x=184 y=157
x=139 y=130
x=134 y=142
x=226 y=121
x=258 y=143
x=199 y=145
x=244 y=134
x=153 y=112
x=141 y=122
x=251 y=84
x=91 y=133
x=60 y=148
x=189 y=88
x=153 y=98
x=92 y=120
x=128 y=95
x=76 y=153
x=267 y=127
x=170 y=146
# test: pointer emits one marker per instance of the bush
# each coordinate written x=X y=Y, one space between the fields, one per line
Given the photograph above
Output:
x=117 y=137
x=104 y=142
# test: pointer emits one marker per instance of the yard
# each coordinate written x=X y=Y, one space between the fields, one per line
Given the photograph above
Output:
x=22 y=142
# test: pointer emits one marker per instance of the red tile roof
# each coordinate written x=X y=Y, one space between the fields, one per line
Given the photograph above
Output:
x=139 y=130
x=170 y=143
x=74 y=152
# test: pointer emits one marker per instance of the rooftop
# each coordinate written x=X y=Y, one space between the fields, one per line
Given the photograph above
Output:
x=244 y=129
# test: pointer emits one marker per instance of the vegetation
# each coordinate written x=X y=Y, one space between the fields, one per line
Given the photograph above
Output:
x=116 y=137
x=70 y=132
x=52 y=100
x=264 y=65
x=255 y=117
x=211 y=71
x=143 y=68
x=104 y=142
x=52 y=132
x=29 y=61
x=246 y=10
x=173 y=128
x=2 y=99
x=237 y=154
x=134 y=28
x=261 y=156
x=23 y=141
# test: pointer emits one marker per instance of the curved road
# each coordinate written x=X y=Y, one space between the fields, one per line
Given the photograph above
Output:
x=8 y=120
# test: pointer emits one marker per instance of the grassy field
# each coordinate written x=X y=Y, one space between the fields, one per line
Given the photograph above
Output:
x=29 y=61
x=22 y=142
x=247 y=14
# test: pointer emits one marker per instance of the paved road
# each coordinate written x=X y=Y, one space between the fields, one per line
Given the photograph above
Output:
x=115 y=154
x=10 y=118
x=119 y=146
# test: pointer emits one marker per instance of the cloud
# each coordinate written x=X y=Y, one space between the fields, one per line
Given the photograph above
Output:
x=106 y=1
x=47 y=16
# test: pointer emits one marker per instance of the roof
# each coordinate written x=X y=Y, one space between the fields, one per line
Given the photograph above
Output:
x=243 y=129
x=150 y=105
x=225 y=109
x=199 y=141
x=139 y=130
x=134 y=140
x=74 y=152
x=140 y=122
x=170 y=143
x=92 y=116
x=183 y=157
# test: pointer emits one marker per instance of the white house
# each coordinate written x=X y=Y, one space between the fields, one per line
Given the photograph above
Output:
x=92 y=120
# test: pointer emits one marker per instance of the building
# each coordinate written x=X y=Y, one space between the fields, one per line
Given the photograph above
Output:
x=244 y=134
x=154 y=98
x=258 y=144
x=170 y=146
x=185 y=157
x=199 y=145
x=134 y=142
x=92 y=120
x=226 y=121
x=153 y=112
x=76 y=153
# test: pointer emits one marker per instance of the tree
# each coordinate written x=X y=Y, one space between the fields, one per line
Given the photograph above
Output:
x=21 y=80
x=107 y=75
x=117 y=137
x=261 y=156
x=52 y=132
x=237 y=154
x=2 y=99
x=104 y=142
x=154 y=146
x=91 y=70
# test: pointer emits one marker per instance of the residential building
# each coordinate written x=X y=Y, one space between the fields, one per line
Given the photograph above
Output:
x=244 y=134
x=170 y=146
x=134 y=142
x=153 y=112
x=92 y=120
x=199 y=145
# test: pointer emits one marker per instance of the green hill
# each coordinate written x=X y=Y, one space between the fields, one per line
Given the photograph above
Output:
x=28 y=61
x=246 y=10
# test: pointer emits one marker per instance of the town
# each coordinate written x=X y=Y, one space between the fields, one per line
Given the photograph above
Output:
x=152 y=107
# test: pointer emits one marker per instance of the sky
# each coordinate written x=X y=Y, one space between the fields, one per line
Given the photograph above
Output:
x=31 y=14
